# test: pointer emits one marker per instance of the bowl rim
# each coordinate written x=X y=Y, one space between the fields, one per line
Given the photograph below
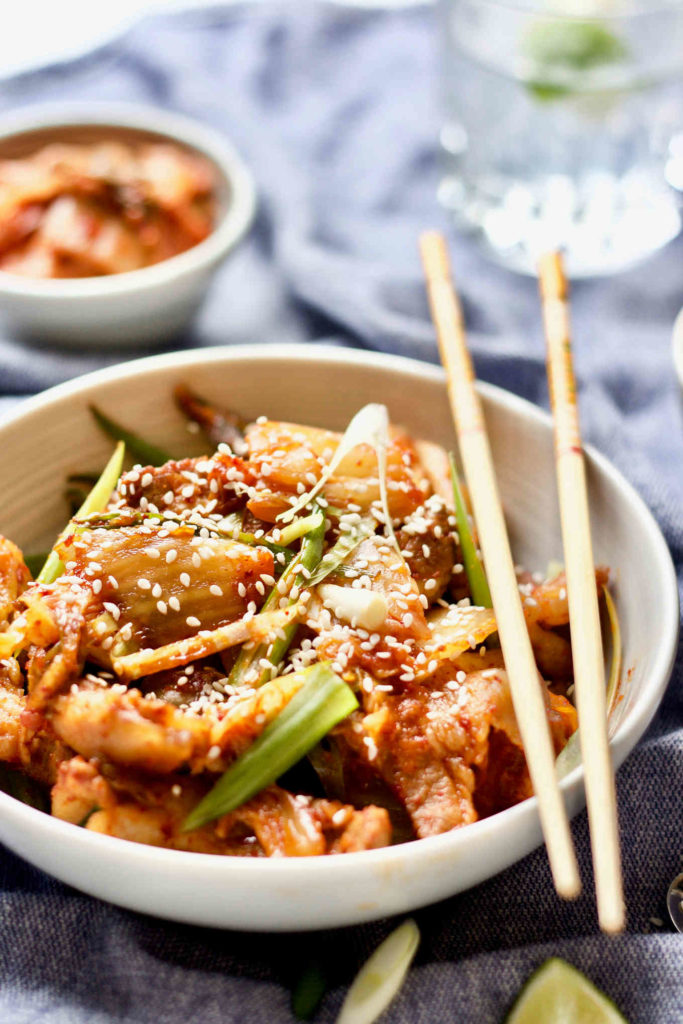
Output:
x=193 y=134
x=677 y=346
x=216 y=866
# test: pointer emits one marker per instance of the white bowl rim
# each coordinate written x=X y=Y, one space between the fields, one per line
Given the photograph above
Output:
x=157 y=120
x=216 y=867
x=677 y=346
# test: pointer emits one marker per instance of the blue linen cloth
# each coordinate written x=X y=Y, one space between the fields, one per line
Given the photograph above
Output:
x=335 y=110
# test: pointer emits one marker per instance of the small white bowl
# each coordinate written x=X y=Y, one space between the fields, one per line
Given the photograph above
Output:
x=137 y=307
x=325 y=386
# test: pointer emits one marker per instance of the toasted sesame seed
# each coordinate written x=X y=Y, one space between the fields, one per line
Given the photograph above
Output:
x=171 y=556
x=144 y=584
x=162 y=607
x=185 y=579
x=191 y=620
x=174 y=603
x=215 y=590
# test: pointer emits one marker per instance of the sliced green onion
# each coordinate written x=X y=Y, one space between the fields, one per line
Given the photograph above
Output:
x=24 y=788
x=341 y=550
x=380 y=977
x=322 y=702
x=570 y=755
x=147 y=453
x=34 y=563
x=307 y=560
x=474 y=570
x=308 y=990
x=95 y=502
x=300 y=527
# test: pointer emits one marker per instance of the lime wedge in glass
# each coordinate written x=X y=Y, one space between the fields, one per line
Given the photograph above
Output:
x=559 y=994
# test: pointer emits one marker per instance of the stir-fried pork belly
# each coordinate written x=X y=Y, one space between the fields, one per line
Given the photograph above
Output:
x=210 y=485
x=152 y=810
x=428 y=546
x=123 y=683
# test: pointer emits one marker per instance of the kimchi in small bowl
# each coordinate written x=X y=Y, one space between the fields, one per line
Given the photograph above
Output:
x=113 y=221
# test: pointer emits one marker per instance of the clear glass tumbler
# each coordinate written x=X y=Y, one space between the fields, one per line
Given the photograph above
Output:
x=564 y=127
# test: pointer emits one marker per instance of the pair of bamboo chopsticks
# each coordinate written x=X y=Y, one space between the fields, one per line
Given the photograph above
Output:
x=581 y=589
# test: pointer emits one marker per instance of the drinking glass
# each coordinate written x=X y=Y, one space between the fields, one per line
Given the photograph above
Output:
x=564 y=128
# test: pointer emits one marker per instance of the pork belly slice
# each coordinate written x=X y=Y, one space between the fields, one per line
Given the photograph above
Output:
x=152 y=811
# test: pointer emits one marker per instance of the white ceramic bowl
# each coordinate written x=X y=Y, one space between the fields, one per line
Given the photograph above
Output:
x=678 y=348
x=140 y=306
x=326 y=386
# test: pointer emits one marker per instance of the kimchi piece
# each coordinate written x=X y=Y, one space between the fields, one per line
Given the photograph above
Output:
x=159 y=689
x=105 y=208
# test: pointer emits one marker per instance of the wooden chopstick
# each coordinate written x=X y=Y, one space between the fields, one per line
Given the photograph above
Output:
x=477 y=462
x=584 y=616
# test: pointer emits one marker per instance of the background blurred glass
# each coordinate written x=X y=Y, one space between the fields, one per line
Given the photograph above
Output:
x=564 y=129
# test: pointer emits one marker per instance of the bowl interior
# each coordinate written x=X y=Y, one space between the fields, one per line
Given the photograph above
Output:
x=56 y=436
x=16 y=145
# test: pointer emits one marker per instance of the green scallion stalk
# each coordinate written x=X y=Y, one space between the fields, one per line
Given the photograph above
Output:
x=570 y=755
x=476 y=577
x=34 y=563
x=95 y=502
x=341 y=550
x=300 y=527
x=308 y=991
x=322 y=702
x=145 y=452
x=307 y=560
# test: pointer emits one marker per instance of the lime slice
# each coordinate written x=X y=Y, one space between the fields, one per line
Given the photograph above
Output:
x=559 y=994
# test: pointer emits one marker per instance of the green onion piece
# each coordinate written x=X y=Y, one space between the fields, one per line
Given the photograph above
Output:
x=95 y=502
x=24 y=788
x=322 y=702
x=35 y=563
x=380 y=977
x=308 y=991
x=147 y=453
x=570 y=755
x=300 y=527
x=307 y=559
x=615 y=664
x=341 y=550
x=476 y=577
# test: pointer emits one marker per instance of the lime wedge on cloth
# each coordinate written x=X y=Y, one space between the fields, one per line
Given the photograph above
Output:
x=559 y=994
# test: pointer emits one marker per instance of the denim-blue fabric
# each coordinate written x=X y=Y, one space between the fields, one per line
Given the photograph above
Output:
x=336 y=111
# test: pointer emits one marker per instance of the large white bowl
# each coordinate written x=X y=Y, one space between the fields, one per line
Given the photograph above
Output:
x=53 y=435
x=137 y=307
